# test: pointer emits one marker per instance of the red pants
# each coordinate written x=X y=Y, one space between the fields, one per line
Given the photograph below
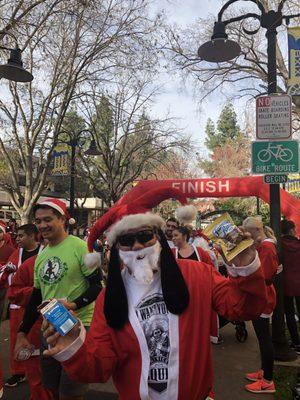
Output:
x=33 y=374
x=15 y=319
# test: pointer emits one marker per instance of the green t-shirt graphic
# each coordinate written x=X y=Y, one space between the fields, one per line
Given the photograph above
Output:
x=59 y=272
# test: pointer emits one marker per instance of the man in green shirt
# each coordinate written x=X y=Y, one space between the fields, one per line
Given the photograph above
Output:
x=60 y=272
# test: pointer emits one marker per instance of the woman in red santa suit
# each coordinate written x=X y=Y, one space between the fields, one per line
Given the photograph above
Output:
x=184 y=250
x=263 y=379
x=28 y=247
x=151 y=325
x=19 y=293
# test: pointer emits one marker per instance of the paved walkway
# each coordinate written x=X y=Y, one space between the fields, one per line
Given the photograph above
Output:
x=232 y=360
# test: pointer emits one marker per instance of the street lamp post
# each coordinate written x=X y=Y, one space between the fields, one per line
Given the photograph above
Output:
x=75 y=141
x=220 y=49
x=14 y=70
x=73 y=144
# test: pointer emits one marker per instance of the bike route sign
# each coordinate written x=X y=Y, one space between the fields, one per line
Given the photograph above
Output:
x=275 y=157
x=274 y=117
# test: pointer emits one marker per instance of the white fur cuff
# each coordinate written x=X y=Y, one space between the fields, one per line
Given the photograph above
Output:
x=92 y=260
x=69 y=351
x=244 y=271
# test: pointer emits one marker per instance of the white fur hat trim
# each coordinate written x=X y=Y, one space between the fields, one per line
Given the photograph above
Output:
x=132 y=222
x=186 y=214
x=92 y=260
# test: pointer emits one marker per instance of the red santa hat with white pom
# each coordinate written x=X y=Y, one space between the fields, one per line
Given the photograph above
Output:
x=186 y=214
x=59 y=206
x=120 y=219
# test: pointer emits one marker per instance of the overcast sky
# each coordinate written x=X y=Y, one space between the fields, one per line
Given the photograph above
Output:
x=177 y=100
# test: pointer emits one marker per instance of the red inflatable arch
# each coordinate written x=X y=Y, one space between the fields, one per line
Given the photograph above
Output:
x=221 y=187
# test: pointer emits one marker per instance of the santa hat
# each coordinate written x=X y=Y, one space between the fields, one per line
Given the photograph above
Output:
x=59 y=206
x=129 y=216
x=120 y=219
x=3 y=226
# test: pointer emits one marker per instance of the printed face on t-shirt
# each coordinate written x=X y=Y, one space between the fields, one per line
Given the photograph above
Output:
x=152 y=314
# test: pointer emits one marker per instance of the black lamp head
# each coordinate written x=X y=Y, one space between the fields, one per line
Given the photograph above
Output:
x=219 y=48
x=93 y=149
x=14 y=70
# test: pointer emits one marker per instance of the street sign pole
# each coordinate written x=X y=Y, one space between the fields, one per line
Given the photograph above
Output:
x=275 y=210
x=281 y=347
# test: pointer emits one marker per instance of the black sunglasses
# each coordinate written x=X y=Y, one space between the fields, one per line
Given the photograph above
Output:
x=142 y=237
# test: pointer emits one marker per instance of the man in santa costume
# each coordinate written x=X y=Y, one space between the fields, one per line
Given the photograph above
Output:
x=151 y=326
x=19 y=293
x=60 y=272
x=6 y=248
x=6 y=251
x=27 y=240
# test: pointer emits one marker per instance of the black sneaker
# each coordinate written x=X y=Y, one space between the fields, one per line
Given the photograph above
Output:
x=15 y=380
x=296 y=347
x=220 y=340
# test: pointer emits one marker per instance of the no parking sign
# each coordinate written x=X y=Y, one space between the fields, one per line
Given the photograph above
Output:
x=274 y=117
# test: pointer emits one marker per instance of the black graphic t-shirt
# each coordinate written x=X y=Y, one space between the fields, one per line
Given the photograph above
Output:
x=152 y=314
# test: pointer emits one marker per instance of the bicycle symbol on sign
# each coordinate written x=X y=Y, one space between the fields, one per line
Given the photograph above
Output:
x=277 y=151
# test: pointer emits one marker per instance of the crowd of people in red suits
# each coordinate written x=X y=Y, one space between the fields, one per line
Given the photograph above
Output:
x=20 y=247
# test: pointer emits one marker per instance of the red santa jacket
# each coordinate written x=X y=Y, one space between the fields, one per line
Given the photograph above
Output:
x=269 y=263
x=15 y=260
x=19 y=293
x=290 y=252
x=6 y=251
x=204 y=256
x=107 y=352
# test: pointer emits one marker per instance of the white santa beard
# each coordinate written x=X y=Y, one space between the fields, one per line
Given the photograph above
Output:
x=142 y=263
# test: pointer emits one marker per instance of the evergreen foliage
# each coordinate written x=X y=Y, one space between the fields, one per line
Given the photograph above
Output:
x=227 y=128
